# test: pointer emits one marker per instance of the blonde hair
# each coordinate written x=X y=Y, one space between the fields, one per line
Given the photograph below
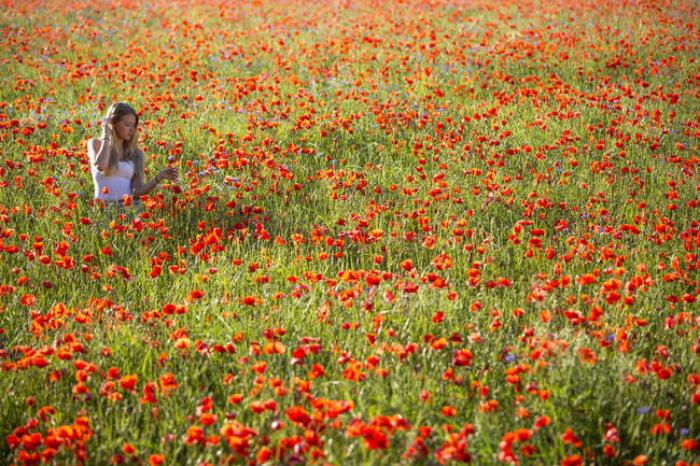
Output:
x=130 y=150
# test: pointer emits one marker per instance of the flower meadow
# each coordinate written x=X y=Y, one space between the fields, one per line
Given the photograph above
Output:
x=404 y=232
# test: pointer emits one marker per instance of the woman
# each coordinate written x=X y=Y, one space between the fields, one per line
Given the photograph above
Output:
x=116 y=162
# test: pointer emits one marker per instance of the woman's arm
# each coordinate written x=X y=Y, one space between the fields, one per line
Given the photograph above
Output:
x=100 y=150
x=139 y=187
x=99 y=153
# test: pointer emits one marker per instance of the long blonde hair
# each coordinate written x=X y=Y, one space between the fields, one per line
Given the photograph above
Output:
x=130 y=151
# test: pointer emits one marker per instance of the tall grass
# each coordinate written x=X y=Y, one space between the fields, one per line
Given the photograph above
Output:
x=547 y=152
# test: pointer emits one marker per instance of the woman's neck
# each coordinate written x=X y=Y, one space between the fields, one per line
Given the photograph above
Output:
x=119 y=144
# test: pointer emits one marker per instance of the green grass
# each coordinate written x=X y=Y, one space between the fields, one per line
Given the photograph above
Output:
x=357 y=138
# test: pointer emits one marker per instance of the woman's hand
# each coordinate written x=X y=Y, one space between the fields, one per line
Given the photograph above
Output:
x=167 y=174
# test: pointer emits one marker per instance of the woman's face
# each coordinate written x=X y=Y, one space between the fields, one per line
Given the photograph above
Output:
x=125 y=127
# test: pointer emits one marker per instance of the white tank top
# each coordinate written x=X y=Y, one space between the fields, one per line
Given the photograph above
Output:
x=114 y=186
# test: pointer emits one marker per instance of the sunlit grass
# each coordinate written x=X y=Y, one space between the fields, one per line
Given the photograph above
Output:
x=443 y=231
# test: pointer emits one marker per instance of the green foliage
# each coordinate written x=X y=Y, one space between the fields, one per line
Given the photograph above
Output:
x=409 y=222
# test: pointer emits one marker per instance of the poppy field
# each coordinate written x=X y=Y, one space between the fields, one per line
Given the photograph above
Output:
x=404 y=232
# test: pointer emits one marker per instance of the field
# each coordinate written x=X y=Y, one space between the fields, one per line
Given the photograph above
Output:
x=404 y=232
